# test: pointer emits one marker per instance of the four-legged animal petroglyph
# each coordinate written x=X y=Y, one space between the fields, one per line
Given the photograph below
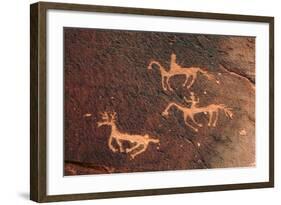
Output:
x=176 y=69
x=189 y=113
x=139 y=142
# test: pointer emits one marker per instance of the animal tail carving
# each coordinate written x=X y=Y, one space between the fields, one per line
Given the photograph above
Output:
x=152 y=139
x=153 y=62
x=208 y=75
x=156 y=141
x=228 y=112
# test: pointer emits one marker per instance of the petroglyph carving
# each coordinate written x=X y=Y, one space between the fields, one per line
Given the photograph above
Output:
x=189 y=113
x=139 y=142
x=176 y=69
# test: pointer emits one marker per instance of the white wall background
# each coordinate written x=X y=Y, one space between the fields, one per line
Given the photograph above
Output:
x=14 y=103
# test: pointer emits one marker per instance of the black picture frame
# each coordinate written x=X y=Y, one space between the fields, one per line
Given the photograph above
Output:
x=38 y=101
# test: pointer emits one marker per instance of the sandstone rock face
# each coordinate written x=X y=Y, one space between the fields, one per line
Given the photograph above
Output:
x=106 y=71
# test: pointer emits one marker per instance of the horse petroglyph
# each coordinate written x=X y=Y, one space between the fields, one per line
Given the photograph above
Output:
x=189 y=113
x=176 y=69
x=139 y=142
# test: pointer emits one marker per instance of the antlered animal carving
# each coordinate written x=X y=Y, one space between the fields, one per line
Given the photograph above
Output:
x=139 y=142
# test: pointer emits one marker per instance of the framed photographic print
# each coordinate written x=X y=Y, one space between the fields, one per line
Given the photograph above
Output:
x=133 y=102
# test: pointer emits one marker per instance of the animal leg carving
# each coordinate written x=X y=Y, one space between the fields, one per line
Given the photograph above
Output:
x=110 y=145
x=168 y=84
x=163 y=80
x=132 y=148
x=210 y=118
x=193 y=120
x=215 y=118
x=189 y=125
x=120 y=145
x=192 y=81
x=139 y=152
x=186 y=80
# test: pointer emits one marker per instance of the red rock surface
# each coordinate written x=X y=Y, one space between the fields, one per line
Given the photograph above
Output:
x=106 y=70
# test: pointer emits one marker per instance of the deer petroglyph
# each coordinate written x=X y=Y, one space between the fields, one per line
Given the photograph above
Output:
x=176 y=69
x=189 y=113
x=139 y=142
